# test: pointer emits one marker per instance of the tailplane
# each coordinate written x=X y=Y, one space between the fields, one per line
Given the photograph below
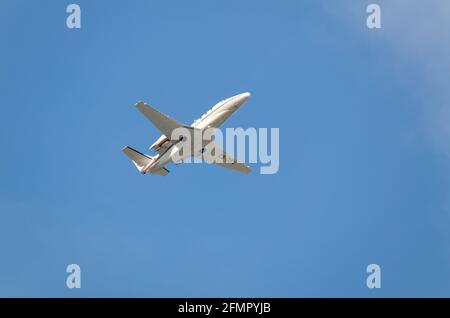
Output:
x=142 y=161
x=139 y=159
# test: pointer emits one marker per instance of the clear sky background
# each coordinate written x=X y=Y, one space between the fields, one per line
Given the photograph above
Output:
x=364 y=149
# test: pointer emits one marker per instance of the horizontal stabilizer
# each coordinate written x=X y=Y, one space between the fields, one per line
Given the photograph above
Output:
x=139 y=159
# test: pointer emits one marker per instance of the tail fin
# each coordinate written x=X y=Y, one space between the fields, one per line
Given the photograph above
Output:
x=139 y=159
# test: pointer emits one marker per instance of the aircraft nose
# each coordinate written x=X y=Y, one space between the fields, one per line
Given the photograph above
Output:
x=242 y=98
x=245 y=96
x=238 y=100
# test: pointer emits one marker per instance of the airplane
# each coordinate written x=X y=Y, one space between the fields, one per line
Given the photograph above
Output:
x=166 y=147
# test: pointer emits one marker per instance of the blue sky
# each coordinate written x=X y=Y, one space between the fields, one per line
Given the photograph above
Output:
x=364 y=157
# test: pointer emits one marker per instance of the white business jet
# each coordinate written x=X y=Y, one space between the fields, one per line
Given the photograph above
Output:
x=169 y=147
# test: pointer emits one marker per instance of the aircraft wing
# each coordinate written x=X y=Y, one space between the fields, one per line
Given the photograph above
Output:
x=226 y=160
x=163 y=122
x=160 y=172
